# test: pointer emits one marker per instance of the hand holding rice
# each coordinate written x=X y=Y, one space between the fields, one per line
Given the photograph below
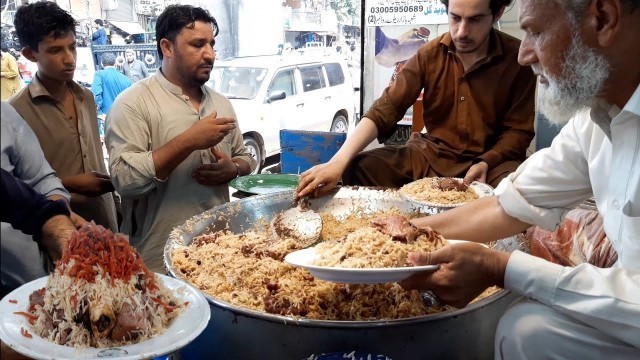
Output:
x=384 y=244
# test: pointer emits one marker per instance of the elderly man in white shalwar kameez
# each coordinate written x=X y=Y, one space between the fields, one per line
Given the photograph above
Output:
x=586 y=54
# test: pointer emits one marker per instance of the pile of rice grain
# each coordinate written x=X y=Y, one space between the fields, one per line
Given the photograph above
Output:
x=100 y=273
x=426 y=190
x=246 y=270
x=369 y=248
x=336 y=228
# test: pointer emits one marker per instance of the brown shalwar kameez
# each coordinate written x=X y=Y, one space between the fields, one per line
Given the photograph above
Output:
x=484 y=114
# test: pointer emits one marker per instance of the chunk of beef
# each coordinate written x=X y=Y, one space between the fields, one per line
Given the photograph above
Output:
x=205 y=239
x=129 y=323
x=448 y=184
x=36 y=298
x=83 y=316
x=64 y=336
x=398 y=227
x=48 y=324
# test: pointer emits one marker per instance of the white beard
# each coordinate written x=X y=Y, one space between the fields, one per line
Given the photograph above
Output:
x=584 y=71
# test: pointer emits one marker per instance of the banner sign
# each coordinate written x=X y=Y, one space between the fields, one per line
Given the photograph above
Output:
x=404 y=12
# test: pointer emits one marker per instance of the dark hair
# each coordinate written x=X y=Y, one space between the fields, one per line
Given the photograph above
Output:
x=494 y=5
x=108 y=59
x=631 y=5
x=176 y=17
x=36 y=21
x=99 y=22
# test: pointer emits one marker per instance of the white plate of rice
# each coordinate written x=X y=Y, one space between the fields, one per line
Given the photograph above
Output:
x=426 y=192
x=183 y=329
x=305 y=258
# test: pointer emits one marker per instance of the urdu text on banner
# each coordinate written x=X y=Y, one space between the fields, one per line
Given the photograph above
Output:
x=404 y=12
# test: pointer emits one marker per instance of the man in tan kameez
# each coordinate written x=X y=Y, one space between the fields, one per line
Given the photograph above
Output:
x=174 y=143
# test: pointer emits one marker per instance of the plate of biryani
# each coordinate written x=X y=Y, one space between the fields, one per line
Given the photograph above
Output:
x=444 y=192
x=369 y=255
x=306 y=258
x=309 y=257
x=101 y=301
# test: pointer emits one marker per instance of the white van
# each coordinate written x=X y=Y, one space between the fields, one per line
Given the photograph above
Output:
x=291 y=91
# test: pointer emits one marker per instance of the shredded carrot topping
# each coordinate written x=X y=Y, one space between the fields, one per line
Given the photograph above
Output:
x=13 y=301
x=74 y=300
x=25 y=333
x=31 y=317
x=168 y=308
x=96 y=246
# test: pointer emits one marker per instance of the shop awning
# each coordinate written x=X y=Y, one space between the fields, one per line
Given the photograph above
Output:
x=130 y=27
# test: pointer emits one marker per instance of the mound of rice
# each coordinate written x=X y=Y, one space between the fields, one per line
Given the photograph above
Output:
x=101 y=295
x=427 y=190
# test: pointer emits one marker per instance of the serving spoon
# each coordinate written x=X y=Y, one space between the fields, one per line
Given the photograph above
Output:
x=300 y=223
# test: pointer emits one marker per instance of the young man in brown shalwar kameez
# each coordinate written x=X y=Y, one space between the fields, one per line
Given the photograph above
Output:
x=479 y=106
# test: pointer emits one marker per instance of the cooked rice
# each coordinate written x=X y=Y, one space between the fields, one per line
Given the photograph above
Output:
x=369 y=248
x=80 y=283
x=426 y=190
x=336 y=228
x=246 y=270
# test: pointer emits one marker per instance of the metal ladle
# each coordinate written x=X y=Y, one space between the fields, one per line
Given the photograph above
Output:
x=299 y=223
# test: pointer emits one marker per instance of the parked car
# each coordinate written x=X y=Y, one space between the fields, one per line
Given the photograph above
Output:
x=291 y=91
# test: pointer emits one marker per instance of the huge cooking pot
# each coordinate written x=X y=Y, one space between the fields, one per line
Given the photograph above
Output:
x=241 y=333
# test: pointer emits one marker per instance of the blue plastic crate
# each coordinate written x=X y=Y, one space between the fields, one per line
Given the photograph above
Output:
x=303 y=149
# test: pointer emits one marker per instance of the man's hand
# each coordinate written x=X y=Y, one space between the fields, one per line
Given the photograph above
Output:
x=477 y=172
x=204 y=134
x=466 y=270
x=56 y=233
x=89 y=184
x=319 y=180
x=77 y=220
x=219 y=172
x=402 y=48
x=209 y=131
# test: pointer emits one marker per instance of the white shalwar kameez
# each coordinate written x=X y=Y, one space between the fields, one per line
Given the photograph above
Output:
x=581 y=312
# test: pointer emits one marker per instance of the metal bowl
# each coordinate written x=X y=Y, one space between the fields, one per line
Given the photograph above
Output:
x=241 y=333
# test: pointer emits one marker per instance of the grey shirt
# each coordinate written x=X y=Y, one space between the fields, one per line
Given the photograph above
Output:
x=135 y=70
x=22 y=156
x=143 y=118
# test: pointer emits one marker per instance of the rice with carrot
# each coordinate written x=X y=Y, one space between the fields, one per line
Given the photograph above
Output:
x=101 y=295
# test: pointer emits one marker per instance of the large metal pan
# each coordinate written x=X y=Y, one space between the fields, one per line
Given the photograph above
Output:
x=240 y=333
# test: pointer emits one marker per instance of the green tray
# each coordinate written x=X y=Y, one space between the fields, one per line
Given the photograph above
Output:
x=259 y=184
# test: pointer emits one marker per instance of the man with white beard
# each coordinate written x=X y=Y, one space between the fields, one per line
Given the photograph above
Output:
x=590 y=81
